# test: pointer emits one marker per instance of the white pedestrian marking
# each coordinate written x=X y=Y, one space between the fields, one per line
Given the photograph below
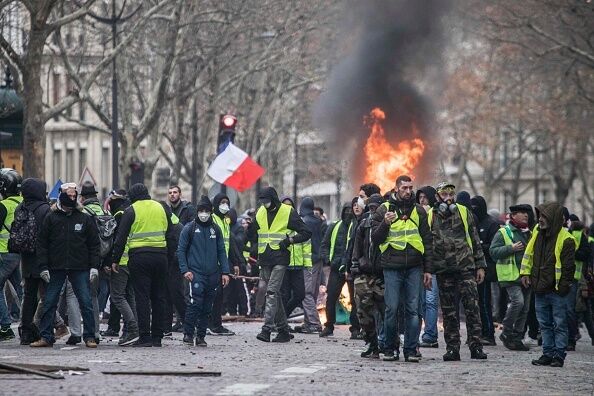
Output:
x=243 y=389
x=284 y=376
x=302 y=370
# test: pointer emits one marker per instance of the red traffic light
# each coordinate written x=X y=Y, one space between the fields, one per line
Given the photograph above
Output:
x=229 y=121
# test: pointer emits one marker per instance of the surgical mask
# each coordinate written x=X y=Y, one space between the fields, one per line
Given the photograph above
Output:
x=361 y=203
x=267 y=204
x=203 y=216
x=224 y=208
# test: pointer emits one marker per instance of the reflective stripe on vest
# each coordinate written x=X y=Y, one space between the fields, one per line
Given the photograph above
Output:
x=507 y=269
x=300 y=254
x=10 y=204
x=335 y=235
x=577 y=235
x=528 y=259
x=403 y=232
x=225 y=229
x=271 y=234
x=246 y=254
x=150 y=225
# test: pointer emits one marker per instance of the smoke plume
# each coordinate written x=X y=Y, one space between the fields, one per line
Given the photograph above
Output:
x=393 y=45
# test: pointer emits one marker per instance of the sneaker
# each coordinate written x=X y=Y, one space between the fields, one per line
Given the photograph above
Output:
x=412 y=358
x=90 y=343
x=544 y=360
x=451 y=355
x=519 y=346
x=143 y=343
x=6 y=334
x=557 y=362
x=129 y=339
x=264 y=336
x=73 y=340
x=110 y=333
x=200 y=342
x=167 y=333
x=477 y=353
x=41 y=343
x=428 y=344
x=488 y=341
x=306 y=330
x=282 y=336
x=178 y=327
x=61 y=331
x=157 y=342
x=372 y=351
x=220 y=331
x=188 y=340
x=390 y=356
x=327 y=332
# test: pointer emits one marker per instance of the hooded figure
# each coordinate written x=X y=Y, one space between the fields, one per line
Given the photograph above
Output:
x=342 y=235
x=216 y=202
x=315 y=225
x=34 y=193
x=487 y=228
x=138 y=192
x=429 y=192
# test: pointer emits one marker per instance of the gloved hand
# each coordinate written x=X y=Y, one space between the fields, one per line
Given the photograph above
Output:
x=355 y=270
x=45 y=276
x=94 y=274
x=284 y=244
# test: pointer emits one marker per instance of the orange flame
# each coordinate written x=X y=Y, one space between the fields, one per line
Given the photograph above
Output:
x=386 y=162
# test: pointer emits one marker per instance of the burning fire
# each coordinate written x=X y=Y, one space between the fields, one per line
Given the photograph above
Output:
x=385 y=162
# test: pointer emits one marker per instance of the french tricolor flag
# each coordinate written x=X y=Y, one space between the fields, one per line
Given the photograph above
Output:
x=235 y=169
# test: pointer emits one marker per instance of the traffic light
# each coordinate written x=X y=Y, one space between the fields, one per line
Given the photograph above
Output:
x=227 y=124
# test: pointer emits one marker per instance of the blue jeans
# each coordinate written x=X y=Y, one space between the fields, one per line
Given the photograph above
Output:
x=79 y=279
x=408 y=280
x=203 y=290
x=551 y=312
x=431 y=312
x=9 y=267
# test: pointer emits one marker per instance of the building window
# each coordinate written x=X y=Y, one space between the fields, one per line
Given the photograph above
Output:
x=69 y=165
x=82 y=160
x=57 y=165
x=81 y=111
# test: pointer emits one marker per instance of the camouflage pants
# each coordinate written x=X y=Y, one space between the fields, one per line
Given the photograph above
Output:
x=369 y=298
x=450 y=287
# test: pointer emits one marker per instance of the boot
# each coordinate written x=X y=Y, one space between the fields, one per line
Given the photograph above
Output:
x=200 y=342
x=282 y=336
x=477 y=353
x=41 y=343
x=327 y=332
x=188 y=340
x=73 y=340
x=557 y=362
x=372 y=351
x=543 y=361
x=451 y=355
x=264 y=336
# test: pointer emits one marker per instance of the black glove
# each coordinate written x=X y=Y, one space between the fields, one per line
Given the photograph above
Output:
x=355 y=269
x=284 y=244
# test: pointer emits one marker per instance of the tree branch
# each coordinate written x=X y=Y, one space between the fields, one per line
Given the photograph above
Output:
x=66 y=19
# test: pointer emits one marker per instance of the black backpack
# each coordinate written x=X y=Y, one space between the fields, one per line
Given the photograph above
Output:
x=23 y=232
x=106 y=226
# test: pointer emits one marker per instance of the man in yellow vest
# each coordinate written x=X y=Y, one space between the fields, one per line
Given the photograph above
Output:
x=548 y=267
x=507 y=249
x=459 y=263
x=582 y=258
x=277 y=227
x=405 y=243
x=147 y=231
x=10 y=190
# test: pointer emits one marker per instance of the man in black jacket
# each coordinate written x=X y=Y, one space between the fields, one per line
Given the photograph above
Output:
x=67 y=247
x=147 y=229
x=269 y=237
x=487 y=229
x=183 y=209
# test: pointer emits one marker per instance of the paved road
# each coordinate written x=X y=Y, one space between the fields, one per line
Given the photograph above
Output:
x=308 y=365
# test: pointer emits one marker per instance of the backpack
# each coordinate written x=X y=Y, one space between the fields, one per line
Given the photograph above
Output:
x=106 y=225
x=23 y=232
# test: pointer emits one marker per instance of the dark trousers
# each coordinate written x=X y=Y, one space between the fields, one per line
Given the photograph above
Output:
x=215 y=321
x=114 y=317
x=486 y=309
x=336 y=281
x=81 y=285
x=236 y=297
x=293 y=289
x=174 y=296
x=202 y=294
x=148 y=274
x=29 y=306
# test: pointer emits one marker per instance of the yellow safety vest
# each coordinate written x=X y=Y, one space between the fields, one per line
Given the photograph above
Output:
x=10 y=204
x=225 y=229
x=403 y=232
x=150 y=225
x=246 y=254
x=271 y=234
x=300 y=254
x=528 y=259
x=507 y=270
x=464 y=215
x=579 y=265
x=335 y=235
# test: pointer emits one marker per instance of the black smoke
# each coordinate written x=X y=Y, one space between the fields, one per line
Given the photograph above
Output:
x=393 y=44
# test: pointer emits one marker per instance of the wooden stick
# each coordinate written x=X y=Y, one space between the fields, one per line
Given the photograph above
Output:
x=190 y=373
x=19 y=369
x=44 y=367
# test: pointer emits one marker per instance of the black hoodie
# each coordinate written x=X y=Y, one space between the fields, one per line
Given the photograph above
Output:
x=487 y=229
x=281 y=256
x=315 y=225
x=34 y=193
x=346 y=231
x=429 y=193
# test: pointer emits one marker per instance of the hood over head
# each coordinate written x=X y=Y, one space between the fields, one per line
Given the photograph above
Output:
x=288 y=198
x=216 y=201
x=553 y=212
x=430 y=192
x=232 y=214
x=479 y=207
x=346 y=207
x=138 y=192
x=34 y=189
x=270 y=193
x=463 y=198
x=307 y=207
